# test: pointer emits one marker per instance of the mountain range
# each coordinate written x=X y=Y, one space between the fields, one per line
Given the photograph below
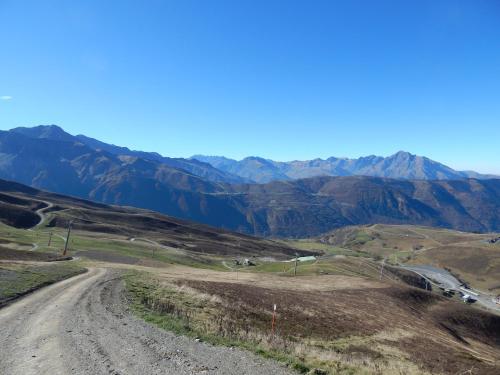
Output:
x=48 y=158
x=401 y=165
x=198 y=168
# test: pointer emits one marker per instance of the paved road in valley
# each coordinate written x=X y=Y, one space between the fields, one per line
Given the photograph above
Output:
x=444 y=279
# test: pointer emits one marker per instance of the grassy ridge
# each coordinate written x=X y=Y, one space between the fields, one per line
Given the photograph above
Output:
x=19 y=279
x=102 y=247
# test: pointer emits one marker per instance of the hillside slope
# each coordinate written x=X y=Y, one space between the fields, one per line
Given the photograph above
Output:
x=312 y=206
x=18 y=204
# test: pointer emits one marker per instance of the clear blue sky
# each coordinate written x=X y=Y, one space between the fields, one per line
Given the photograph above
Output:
x=279 y=79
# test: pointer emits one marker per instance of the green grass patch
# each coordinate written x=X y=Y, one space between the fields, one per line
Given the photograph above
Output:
x=313 y=245
x=142 y=250
x=80 y=242
x=285 y=268
x=362 y=237
x=19 y=279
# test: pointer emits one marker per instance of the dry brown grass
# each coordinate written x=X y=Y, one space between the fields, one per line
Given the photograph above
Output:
x=382 y=239
x=302 y=283
x=383 y=329
x=466 y=254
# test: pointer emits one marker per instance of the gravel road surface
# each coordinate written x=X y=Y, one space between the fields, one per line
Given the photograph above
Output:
x=438 y=275
x=82 y=326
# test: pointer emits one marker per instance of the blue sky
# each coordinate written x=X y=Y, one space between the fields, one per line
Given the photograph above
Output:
x=279 y=79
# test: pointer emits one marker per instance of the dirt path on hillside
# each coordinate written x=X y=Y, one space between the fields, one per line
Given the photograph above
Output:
x=81 y=326
x=41 y=212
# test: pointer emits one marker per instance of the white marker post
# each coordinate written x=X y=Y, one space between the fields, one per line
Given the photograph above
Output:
x=273 y=324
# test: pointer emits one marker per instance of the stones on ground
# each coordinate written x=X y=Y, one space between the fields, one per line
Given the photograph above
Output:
x=317 y=371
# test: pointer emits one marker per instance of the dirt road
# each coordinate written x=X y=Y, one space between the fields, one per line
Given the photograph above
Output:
x=81 y=326
x=41 y=213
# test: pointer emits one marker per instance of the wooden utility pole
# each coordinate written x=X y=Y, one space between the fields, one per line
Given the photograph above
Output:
x=67 y=238
x=295 y=268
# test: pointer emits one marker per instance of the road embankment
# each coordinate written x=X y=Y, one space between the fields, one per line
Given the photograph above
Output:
x=17 y=279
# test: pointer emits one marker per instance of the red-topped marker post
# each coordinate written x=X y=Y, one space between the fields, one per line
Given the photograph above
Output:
x=273 y=324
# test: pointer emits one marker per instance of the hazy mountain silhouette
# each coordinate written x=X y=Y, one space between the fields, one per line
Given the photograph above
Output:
x=401 y=165
x=198 y=168
x=50 y=159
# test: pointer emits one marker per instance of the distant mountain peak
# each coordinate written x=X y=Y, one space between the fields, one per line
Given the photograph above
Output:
x=53 y=132
x=403 y=155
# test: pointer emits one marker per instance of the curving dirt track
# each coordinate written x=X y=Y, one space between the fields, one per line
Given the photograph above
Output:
x=81 y=326
x=41 y=213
